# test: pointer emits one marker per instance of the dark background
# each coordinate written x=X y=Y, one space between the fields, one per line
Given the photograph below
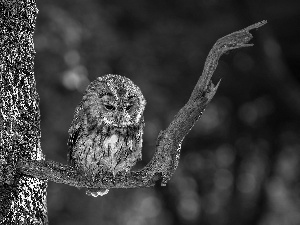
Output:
x=240 y=162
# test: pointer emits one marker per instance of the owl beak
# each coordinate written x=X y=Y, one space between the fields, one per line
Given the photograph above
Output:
x=121 y=108
x=121 y=119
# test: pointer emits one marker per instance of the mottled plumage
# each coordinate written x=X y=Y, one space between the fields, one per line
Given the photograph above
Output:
x=106 y=132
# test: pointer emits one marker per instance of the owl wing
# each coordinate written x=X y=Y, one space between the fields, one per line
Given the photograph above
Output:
x=74 y=131
x=139 y=139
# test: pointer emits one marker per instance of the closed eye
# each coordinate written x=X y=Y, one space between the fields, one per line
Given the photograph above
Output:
x=128 y=107
x=109 y=107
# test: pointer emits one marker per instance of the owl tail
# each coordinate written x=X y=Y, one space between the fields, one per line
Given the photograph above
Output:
x=97 y=192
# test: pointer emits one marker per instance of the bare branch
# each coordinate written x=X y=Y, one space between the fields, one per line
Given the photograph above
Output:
x=167 y=154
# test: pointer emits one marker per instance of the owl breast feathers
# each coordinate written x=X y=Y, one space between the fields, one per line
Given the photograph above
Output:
x=106 y=132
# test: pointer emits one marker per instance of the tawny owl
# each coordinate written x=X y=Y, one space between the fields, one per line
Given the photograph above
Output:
x=105 y=135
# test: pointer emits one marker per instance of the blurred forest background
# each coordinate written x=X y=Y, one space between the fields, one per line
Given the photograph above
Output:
x=240 y=163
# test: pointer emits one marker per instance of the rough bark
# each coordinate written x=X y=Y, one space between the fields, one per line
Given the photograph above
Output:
x=22 y=198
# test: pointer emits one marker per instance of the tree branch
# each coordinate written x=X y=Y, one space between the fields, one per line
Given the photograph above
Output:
x=167 y=154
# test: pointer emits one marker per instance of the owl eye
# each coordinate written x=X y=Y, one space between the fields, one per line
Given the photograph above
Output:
x=109 y=107
x=128 y=107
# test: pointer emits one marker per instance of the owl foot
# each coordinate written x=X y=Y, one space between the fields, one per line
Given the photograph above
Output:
x=97 y=193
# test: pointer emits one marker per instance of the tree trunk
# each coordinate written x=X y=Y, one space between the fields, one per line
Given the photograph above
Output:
x=22 y=198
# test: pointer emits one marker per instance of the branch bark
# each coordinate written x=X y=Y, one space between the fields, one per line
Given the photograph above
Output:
x=167 y=154
x=22 y=198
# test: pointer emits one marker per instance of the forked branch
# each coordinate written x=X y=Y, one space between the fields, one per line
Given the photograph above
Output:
x=167 y=154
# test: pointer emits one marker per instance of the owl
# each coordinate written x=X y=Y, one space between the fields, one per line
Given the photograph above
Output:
x=105 y=135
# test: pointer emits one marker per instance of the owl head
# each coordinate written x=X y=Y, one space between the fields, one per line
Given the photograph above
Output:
x=115 y=101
